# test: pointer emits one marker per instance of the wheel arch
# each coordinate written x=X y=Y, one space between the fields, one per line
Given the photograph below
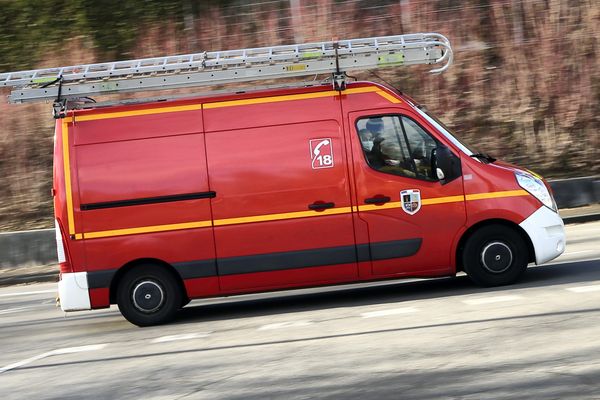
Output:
x=116 y=280
x=496 y=221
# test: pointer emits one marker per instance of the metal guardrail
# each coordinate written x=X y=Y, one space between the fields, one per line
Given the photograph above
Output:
x=38 y=247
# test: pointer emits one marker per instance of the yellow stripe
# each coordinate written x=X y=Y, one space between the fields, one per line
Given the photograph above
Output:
x=67 y=169
x=147 y=229
x=275 y=217
x=294 y=215
x=135 y=113
x=274 y=99
x=231 y=103
x=424 y=202
x=441 y=200
x=388 y=97
x=366 y=89
x=385 y=206
x=496 y=195
x=217 y=222
x=303 y=96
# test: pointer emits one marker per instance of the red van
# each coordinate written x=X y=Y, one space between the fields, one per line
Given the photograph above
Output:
x=163 y=202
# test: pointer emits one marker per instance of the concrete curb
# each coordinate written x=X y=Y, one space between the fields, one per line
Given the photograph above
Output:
x=580 y=219
x=29 y=278
x=27 y=248
x=576 y=192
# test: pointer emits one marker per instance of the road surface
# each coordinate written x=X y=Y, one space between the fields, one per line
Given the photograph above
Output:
x=433 y=339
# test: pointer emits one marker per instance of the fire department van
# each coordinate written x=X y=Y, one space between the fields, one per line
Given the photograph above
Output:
x=161 y=202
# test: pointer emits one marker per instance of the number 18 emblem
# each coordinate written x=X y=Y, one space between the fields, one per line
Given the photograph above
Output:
x=321 y=153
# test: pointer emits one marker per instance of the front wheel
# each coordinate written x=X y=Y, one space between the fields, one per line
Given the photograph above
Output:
x=148 y=295
x=495 y=255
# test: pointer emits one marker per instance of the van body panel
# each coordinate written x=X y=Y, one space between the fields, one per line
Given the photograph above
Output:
x=115 y=127
x=276 y=110
x=265 y=180
x=492 y=192
x=99 y=297
x=64 y=170
x=133 y=191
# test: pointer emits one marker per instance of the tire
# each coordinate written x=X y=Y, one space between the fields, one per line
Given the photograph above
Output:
x=495 y=255
x=149 y=295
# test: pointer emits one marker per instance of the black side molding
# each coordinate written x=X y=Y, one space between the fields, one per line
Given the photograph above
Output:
x=279 y=261
x=149 y=200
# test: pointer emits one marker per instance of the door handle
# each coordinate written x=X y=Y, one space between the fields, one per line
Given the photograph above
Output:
x=377 y=200
x=320 y=206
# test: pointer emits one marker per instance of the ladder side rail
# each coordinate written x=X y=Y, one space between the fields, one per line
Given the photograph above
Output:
x=100 y=71
x=160 y=60
x=205 y=78
x=231 y=66
x=111 y=67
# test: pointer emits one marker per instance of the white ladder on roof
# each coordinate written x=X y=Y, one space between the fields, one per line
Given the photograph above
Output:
x=221 y=67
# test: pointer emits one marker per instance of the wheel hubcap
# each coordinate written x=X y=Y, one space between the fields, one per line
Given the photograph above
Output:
x=496 y=257
x=148 y=296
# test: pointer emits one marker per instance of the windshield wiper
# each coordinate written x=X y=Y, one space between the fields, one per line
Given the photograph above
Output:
x=483 y=156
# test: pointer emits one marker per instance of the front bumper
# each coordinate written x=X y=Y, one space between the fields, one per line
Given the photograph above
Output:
x=547 y=233
x=73 y=291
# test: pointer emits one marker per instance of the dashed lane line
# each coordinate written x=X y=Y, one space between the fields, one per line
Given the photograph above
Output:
x=28 y=293
x=14 y=310
x=183 y=336
x=584 y=289
x=282 y=325
x=392 y=311
x=66 y=350
x=568 y=253
x=490 y=300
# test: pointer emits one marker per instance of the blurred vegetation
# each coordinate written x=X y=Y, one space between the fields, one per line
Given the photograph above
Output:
x=525 y=85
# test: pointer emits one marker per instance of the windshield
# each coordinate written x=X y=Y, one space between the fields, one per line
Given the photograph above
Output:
x=440 y=126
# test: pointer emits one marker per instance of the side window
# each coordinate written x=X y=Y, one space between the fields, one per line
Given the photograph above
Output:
x=397 y=145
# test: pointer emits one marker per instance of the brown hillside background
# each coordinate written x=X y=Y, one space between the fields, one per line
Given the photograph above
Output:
x=524 y=87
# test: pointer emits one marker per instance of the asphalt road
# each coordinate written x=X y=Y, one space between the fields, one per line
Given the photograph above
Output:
x=431 y=339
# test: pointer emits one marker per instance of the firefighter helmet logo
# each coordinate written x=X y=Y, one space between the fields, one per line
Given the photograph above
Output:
x=411 y=201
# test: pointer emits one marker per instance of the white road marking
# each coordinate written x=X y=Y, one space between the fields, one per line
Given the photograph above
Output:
x=66 y=350
x=28 y=293
x=14 y=310
x=391 y=311
x=183 y=336
x=281 y=325
x=584 y=289
x=79 y=349
x=568 y=253
x=490 y=300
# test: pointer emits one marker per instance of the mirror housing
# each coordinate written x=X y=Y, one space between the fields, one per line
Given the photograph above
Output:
x=440 y=174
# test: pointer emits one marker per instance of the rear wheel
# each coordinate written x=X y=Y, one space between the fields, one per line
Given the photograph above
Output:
x=148 y=295
x=495 y=255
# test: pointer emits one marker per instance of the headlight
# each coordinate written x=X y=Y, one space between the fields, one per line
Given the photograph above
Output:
x=536 y=188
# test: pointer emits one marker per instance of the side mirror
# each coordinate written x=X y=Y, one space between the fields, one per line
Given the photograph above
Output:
x=447 y=165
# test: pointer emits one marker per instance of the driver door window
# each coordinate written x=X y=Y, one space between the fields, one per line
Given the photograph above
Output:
x=397 y=145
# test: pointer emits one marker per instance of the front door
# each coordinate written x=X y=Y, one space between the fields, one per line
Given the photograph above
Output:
x=412 y=219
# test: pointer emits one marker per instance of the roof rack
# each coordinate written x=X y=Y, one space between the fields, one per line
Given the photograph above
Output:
x=222 y=67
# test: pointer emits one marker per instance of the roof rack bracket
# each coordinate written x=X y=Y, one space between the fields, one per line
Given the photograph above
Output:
x=59 y=106
x=339 y=81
